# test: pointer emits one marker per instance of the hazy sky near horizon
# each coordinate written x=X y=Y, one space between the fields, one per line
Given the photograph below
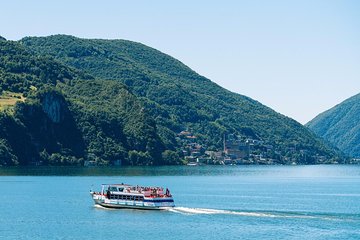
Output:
x=298 y=57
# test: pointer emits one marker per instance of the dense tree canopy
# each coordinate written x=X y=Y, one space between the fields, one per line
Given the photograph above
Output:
x=65 y=120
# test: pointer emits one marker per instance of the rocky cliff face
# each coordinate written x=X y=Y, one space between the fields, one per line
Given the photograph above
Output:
x=54 y=106
x=50 y=124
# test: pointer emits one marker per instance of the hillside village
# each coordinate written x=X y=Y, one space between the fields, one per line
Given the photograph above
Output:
x=238 y=150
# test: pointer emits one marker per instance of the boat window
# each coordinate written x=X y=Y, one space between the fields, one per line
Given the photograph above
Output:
x=121 y=189
x=113 y=189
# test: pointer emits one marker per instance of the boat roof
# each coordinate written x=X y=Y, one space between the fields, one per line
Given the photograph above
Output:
x=115 y=184
x=125 y=185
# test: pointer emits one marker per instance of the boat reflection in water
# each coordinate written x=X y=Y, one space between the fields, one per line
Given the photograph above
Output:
x=128 y=196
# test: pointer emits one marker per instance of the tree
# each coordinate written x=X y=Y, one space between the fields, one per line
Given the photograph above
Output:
x=170 y=157
x=6 y=155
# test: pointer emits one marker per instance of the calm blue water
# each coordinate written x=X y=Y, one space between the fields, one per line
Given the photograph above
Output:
x=224 y=202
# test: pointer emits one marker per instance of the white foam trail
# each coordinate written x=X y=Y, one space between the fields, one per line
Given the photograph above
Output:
x=193 y=211
x=208 y=211
x=186 y=210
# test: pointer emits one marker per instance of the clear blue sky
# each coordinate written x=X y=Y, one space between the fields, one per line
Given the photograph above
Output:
x=297 y=57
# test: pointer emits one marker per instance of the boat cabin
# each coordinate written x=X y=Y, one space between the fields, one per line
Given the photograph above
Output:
x=128 y=192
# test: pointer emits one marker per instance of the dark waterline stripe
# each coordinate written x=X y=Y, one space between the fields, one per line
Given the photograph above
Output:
x=159 y=200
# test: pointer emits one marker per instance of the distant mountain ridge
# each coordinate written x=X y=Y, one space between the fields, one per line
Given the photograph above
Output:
x=340 y=126
x=129 y=102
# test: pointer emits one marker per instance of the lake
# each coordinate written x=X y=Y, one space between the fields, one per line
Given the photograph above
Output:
x=212 y=202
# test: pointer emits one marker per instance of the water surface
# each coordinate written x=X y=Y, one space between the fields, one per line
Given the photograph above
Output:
x=212 y=202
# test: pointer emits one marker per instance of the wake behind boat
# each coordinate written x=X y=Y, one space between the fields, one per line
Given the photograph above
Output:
x=128 y=196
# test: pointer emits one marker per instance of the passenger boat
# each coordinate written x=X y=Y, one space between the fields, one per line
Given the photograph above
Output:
x=128 y=196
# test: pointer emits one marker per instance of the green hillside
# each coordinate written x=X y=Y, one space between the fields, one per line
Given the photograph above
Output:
x=68 y=116
x=177 y=98
x=20 y=69
x=341 y=126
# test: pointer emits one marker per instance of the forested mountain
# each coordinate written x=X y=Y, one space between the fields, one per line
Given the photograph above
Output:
x=68 y=116
x=340 y=126
x=175 y=98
